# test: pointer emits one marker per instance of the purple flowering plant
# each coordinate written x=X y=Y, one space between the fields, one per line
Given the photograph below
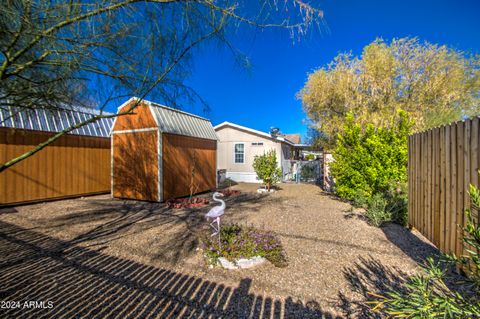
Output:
x=244 y=242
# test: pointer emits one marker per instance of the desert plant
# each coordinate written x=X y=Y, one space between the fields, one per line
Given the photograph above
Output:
x=437 y=292
x=244 y=242
x=359 y=199
x=377 y=213
x=266 y=168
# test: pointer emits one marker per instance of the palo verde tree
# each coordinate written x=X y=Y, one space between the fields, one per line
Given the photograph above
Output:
x=57 y=54
x=433 y=84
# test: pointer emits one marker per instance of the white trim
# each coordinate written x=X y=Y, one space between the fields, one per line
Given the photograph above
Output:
x=153 y=104
x=160 y=165
x=251 y=130
x=136 y=130
x=150 y=107
x=234 y=153
x=111 y=167
x=246 y=177
x=118 y=109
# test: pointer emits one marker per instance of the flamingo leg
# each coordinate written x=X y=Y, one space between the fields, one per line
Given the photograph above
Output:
x=216 y=227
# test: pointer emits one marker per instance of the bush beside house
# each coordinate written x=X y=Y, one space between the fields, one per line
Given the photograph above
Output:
x=266 y=168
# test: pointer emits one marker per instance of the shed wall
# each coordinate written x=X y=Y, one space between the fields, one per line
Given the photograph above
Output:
x=179 y=155
x=140 y=118
x=135 y=165
x=72 y=166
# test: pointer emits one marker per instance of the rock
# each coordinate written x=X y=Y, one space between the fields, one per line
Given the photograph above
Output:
x=264 y=190
x=241 y=263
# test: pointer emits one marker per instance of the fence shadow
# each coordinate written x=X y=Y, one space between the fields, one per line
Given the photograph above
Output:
x=99 y=222
x=410 y=244
x=81 y=282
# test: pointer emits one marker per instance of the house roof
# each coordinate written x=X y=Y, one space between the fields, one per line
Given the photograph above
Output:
x=294 y=138
x=170 y=120
x=56 y=120
x=253 y=131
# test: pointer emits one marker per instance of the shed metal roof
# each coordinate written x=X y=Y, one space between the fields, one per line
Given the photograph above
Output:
x=182 y=123
x=56 y=120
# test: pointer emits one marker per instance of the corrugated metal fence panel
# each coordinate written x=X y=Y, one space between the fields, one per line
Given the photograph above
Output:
x=56 y=120
x=181 y=123
x=442 y=163
x=71 y=166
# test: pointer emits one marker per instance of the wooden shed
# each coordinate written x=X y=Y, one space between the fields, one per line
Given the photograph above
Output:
x=159 y=153
x=77 y=164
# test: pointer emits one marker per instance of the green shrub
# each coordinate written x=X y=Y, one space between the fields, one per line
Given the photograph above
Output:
x=244 y=242
x=397 y=203
x=267 y=169
x=368 y=160
x=389 y=206
x=376 y=210
x=359 y=199
x=370 y=169
x=436 y=292
x=309 y=157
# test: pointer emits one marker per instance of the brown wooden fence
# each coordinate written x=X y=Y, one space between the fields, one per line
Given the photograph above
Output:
x=72 y=166
x=442 y=163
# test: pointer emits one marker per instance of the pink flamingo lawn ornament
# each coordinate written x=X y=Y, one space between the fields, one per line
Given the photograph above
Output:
x=215 y=213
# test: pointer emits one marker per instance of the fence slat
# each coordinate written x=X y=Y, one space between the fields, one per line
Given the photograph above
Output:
x=448 y=198
x=442 y=162
x=441 y=188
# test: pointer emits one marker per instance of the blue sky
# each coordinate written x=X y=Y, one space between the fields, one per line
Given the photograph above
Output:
x=264 y=95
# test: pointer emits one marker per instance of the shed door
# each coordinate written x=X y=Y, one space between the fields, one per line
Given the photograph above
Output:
x=135 y=165
x=189 y=165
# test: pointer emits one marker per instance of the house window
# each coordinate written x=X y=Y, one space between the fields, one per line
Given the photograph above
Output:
x=239 y=153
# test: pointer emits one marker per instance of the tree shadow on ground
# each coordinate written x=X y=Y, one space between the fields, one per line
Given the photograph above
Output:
x=366 y=277
x=85 y=283
x=369 y=277
x=98 y=222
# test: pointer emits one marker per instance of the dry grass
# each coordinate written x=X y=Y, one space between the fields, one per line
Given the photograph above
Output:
x=335 y=258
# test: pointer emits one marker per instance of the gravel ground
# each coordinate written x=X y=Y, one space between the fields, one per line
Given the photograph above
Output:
x=334 y=257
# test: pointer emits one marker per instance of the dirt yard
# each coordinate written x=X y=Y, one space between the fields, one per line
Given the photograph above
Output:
x=334 y=257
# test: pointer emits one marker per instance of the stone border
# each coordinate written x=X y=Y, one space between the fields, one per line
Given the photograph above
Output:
x=241 y=263
x=264 y=190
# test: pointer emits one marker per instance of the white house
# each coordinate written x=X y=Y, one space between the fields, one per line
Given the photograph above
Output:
x=238 y=145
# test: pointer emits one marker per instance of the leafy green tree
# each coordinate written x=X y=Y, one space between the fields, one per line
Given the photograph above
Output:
x=266 y=167
x=433 y=84
x=436 y=292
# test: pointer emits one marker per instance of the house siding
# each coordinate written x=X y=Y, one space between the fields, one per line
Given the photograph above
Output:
x=228 y=137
